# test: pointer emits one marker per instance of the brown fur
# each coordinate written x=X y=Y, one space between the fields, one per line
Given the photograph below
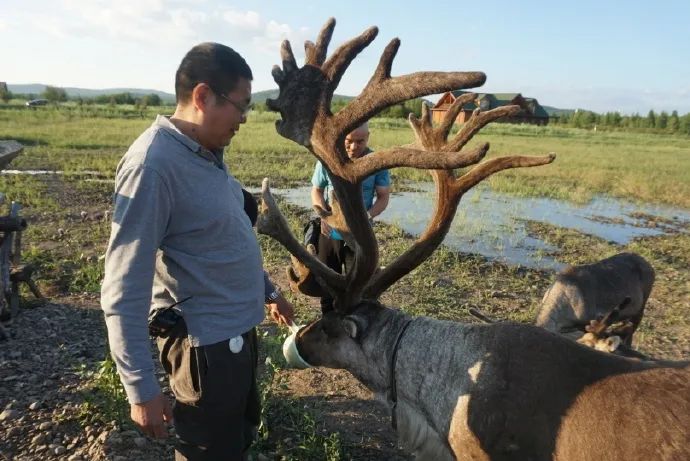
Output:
x=498 y=392
x=587 y=292
x=506 y=391
x=649 y=416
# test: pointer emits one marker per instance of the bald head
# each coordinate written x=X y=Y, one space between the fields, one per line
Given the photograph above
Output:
x=356 y=141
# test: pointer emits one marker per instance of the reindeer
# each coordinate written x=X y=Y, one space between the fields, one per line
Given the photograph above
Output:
x=456 y=391
x=583 y=293
x=597 y=334
x=602 y=334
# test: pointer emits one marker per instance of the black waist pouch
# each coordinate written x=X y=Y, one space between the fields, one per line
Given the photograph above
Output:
x=163 y=320
x=312 y=231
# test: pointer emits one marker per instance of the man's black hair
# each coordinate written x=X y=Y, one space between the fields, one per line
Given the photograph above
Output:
x=219 y=66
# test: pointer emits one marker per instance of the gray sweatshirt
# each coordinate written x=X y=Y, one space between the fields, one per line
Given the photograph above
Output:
x=179 y=229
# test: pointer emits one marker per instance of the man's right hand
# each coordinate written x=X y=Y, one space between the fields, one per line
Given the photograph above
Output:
x=325 y=228
x=151 y=417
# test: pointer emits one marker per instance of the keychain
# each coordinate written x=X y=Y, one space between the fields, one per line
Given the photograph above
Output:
x=236 y=344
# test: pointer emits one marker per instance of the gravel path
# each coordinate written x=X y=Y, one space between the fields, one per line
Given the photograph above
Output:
x=42 y=390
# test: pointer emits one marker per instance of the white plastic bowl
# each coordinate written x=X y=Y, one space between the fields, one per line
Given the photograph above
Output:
x=290 y=351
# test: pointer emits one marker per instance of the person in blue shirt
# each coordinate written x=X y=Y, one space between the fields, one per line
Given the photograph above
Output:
x=375 y=190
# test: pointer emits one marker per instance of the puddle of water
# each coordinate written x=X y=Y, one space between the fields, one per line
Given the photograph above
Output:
x=493 y=224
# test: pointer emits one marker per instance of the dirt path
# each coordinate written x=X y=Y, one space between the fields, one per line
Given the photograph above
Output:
x=45 y=404
x=47 y=410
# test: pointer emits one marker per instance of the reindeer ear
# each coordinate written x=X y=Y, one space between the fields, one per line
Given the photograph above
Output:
x=354 y=325
x=587 y=339
x=612 y=343
x=625 y=303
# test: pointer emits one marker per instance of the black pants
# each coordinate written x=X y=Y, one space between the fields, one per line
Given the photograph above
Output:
x=217 y=408
x=339 y=260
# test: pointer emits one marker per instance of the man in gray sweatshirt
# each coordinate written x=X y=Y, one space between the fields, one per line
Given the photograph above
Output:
x=180 y=231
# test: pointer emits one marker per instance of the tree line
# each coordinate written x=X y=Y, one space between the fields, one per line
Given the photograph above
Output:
x=55 y=95
x=401 y=110
x=652 y=122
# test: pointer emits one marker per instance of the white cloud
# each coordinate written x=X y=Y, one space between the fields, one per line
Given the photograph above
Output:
x=166 y=21
x=143 y=21
x=50 y=26
x=264 y=35
x=276 y=30
x=187 y=23
x=159 y=30
x=247 y=20
x=273 y=35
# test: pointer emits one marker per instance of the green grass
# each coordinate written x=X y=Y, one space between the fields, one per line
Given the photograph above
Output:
x=104 y=397
x=287 y=416
x=653 y=168
x=30 y=191
x=646 y=167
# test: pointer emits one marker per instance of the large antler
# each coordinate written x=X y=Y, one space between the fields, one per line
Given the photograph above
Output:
x=304 y=104
x=449 y=189
x=306 y=93
x=272 y=222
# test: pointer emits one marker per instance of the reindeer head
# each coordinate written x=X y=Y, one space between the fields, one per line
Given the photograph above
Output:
x=304 y=104
x=600 y=335
x=360 y=341
x=600 y=343
x=337 y=340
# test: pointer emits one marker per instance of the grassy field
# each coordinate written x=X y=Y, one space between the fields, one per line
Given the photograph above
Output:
x=648 y=168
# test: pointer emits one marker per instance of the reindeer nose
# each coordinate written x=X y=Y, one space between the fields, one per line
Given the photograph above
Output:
x=290 y=351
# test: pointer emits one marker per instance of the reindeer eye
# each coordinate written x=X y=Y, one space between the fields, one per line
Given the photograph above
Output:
x=331 y=329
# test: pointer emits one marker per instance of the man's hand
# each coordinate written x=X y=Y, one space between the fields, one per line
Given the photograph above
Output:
x=151 y=417
x=282 y=311
x=325 y=228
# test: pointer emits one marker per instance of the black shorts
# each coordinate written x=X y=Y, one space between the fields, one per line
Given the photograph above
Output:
x=217 y=407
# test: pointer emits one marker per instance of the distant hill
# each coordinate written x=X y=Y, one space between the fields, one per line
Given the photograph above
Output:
x=262 y=96
x=38 y=88
x=168 y=98
x=553 y=111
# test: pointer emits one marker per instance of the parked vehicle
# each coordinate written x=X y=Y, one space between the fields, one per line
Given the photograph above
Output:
x=36 y=102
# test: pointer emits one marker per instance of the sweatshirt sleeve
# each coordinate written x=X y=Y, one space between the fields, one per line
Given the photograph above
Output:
x=142 y=205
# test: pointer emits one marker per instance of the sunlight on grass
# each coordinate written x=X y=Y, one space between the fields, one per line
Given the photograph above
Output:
x=638 y=166
x=66 y=249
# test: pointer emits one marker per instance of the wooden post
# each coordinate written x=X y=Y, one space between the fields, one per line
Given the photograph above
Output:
x=14 y=246
x=8 y=151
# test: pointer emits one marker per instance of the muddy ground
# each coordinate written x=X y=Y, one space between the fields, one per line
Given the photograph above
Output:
x=56 y=404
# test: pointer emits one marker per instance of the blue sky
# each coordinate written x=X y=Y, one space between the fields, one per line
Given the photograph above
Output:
x=629 y=56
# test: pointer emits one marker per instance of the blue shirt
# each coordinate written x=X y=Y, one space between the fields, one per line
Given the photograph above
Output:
x=321 y=180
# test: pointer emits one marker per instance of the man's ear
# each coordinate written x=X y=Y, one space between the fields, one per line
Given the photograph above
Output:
x=355 y=325
x=201 y=96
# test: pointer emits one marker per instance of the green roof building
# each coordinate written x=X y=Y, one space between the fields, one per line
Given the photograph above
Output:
x=531 y=111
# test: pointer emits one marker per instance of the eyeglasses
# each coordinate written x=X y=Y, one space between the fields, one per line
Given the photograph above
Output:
x=244 y=110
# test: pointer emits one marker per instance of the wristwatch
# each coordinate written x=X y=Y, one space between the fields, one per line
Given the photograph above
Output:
x=273 y=296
